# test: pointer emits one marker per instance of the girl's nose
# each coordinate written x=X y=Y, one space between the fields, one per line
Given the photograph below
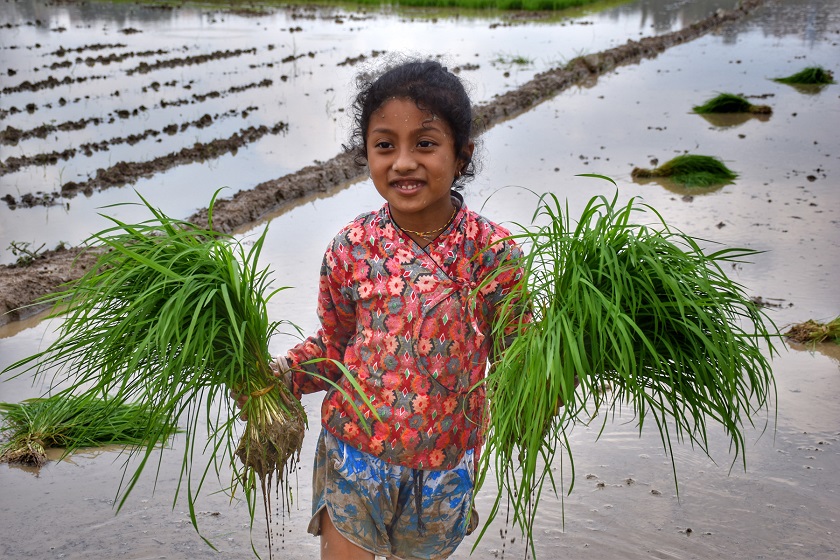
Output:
x=404 y=161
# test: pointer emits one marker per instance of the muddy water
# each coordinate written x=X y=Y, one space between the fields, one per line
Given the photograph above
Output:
x=624 y=504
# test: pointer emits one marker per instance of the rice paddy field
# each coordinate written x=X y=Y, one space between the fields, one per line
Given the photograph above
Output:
x=216 y=97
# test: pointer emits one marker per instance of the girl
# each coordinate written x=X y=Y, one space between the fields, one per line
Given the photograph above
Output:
x=398 y=308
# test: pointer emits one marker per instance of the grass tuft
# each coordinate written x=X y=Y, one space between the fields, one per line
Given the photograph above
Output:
x=71 y=423
x=731 y=103
x=813 y=75
x=625 y=315
x=690 y=170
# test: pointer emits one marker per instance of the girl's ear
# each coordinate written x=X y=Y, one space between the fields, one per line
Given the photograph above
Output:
x=465 y=157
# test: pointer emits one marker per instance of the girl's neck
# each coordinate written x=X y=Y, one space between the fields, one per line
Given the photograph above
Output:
x=429 y=230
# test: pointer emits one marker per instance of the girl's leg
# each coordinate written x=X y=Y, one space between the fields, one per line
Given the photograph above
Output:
x=334 y=546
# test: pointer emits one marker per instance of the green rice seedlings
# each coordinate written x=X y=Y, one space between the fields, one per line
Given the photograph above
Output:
x=690 y=170
x=814 y=332
x=173 y=317
x=813 y=75
x=71 y=423
x=731 y=103
x=624 y=316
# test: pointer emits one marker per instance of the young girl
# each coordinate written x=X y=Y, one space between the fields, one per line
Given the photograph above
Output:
x=398 y=308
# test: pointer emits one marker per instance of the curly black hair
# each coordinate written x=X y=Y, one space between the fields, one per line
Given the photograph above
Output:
x=433 y=88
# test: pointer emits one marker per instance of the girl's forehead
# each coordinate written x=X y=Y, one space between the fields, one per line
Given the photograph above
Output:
x=405 y=108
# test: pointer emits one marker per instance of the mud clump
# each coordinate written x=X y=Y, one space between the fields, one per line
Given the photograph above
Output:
x=23 y=286
x=125 y=172
x=145 y=67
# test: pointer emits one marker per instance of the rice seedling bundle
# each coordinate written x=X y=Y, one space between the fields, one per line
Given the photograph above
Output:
x=690 y=170
x=624 y=316
x=814 y=332
x=70 y=422
x=173 y=317
x=730 y=103
x=813 y=75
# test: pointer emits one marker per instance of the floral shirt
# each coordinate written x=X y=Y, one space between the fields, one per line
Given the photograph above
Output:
x=403 y=322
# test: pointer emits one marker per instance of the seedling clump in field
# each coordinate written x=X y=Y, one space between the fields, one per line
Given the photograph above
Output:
x=813 y=75
x=814 y=332
x=70 y=422
x=731 y=103
x=690 y=170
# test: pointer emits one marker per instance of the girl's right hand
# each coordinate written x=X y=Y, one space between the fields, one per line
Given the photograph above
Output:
x=280 y=367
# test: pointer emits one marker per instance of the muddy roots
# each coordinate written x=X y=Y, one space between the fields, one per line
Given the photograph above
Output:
x=272 y=448
x=26 y=451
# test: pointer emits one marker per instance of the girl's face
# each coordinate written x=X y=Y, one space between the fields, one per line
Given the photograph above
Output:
x=412 y=161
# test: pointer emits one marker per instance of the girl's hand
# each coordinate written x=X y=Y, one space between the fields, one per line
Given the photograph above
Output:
x=280 y=368
x=240 y=403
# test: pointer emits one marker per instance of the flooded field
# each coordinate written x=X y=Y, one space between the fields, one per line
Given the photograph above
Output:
x=121 y=83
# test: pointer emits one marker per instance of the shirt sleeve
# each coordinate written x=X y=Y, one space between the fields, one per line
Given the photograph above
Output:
x=507 y=293
x=314 y=361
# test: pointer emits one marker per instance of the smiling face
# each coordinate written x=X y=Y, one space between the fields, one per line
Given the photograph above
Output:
x=412 y=161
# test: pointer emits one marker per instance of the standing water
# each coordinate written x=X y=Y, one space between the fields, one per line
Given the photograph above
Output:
x=624 y=502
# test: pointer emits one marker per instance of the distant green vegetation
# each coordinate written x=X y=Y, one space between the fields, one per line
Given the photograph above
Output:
x=731 y=103
x=534 y=5
x=257 y=7
x=690 y=170
x=814 y=75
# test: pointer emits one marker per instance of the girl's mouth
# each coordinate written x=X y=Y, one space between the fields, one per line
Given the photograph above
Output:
x=407 y=186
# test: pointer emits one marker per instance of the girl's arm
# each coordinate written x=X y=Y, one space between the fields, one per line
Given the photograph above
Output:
x=319 y=353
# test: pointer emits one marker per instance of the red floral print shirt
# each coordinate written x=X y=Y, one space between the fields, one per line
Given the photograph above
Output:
x=403 y=322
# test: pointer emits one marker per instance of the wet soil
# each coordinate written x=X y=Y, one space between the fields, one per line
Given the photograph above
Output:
x=23 y=285
x=20 y=286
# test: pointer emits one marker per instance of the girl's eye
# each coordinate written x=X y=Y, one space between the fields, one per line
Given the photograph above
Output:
x=426 y=144
x=383 y=145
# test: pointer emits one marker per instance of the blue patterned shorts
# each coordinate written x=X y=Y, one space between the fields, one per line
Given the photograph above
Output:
x=375 y=504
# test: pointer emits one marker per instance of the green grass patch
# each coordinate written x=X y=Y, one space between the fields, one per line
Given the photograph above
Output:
x=731 y=103
x=71 y=423
x=504 y=5
x=813 y=75
x=690 y=170
x=628 y=315
x=512 y=60
x=814 y=332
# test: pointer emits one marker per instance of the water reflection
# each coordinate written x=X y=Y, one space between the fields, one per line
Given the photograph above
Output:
x=732 y=120
x=663 y=16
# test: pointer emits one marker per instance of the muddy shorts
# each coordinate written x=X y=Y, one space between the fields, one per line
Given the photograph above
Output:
x=375 y=504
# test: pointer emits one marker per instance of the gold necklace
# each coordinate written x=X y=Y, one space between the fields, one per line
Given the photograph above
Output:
x=428 y=234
